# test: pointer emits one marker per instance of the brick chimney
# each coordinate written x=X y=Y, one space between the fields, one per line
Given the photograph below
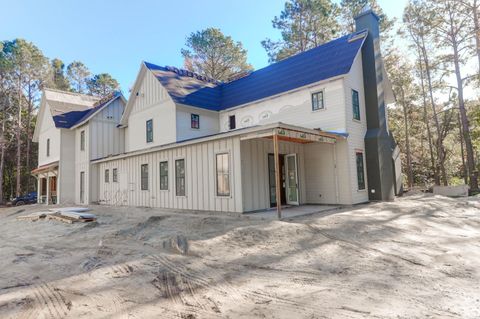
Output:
x=378 y=142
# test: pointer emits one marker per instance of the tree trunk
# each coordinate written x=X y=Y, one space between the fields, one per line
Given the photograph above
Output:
x=425 y=119
x=439 y=142
x=3 y=144
x=464 y=166
x=19 y=142
x=476 y=24
x=473 y=174
x=407 y=142
x=29 y=119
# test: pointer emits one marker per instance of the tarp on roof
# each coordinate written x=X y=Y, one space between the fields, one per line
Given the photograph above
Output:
x=331 y=59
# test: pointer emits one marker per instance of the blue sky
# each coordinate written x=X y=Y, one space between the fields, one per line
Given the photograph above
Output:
x=115 y=36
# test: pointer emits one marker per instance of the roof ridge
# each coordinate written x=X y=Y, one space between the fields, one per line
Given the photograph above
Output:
x=183 y=72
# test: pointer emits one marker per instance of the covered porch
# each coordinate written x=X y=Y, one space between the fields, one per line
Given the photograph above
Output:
x=47 y=183
x=297 y=166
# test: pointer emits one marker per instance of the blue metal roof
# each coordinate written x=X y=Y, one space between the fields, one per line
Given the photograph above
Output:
x=323 y=62
x=69 y=119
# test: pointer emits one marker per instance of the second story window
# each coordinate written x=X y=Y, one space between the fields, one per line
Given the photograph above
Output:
x=149 y=131
x=195 y=121
x=48 y=147
x=355 y=105
x=317 y=101
x=82 y=140
x=232 y=123
x=107 y=176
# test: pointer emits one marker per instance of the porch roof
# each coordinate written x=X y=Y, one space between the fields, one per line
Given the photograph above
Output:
x=45 y=168
x=293 y=133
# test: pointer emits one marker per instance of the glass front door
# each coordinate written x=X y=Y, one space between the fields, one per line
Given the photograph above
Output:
x=292 y=179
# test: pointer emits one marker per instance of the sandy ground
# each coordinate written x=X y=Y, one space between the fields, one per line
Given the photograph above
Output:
x=417 y=257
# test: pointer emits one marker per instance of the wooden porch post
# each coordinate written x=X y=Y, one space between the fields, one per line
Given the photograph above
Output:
x=277 y=175
x=48 y=188
x=39 y=189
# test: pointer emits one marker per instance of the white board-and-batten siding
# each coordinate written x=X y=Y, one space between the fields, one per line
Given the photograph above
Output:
x=200 y=178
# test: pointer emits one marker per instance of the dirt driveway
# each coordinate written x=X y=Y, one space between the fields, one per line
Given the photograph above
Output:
x=417 y=257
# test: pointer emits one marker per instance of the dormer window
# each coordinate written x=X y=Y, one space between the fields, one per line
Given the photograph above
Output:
x=232 y=123
x=195 y=121
x=317 y=101
x=149 y=131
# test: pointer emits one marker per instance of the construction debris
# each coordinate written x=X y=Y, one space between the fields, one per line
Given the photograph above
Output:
x=68 y=215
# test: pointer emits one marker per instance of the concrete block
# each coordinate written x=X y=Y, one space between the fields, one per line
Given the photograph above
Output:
x=452 y=191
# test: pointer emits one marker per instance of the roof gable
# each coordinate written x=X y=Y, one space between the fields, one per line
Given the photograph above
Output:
x=329 y=60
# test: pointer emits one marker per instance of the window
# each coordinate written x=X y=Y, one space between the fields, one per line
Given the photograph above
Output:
x=180 y=177
x=360 y=171
x=48 y=147
x=144 y=177
x=195 y=121
x=82 y=187
x=355 y=105
x=107 y=176
x=149 y=127
x=114 y=175
x=223 y=179
x=164 y=176
x=82 y=140
x=231 y=122
x=317 y=101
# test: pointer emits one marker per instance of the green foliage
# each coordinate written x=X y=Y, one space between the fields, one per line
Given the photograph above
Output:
x=78 y=75
x=212 y=54
x=304 y=24
x=60 y=82
x=102 y=84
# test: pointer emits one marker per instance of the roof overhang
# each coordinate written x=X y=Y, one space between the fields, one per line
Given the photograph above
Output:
x=45 y=168
x=285 y=132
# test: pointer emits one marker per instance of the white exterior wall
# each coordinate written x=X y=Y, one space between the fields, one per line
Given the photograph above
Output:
x=324 y=182
x=199 y=178
x=208 y=122
x=152 y=102
x=66 y=168
x=255 y=182
x=295 y=108
x=48 y=131
x=82 y=163
x=356 y=129
x=106 y=138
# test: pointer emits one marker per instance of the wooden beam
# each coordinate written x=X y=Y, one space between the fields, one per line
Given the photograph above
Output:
x=277 y=176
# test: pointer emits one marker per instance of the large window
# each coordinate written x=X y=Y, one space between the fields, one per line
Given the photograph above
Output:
x=317 y=101
x=107 y=176
x=223 y=179
x=144 y=177
x=149 y=131
x=82 y=140
x=114 y=175
x=360 y=171
x=48 y=147
x=180 y=177
x=195 y=121
x=355 y=105
x=164 y=176
x=232 y=123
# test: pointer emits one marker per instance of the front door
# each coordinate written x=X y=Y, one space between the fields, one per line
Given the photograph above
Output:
x=292 y=179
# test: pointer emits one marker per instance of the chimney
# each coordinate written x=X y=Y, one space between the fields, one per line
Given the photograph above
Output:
x=378 y=143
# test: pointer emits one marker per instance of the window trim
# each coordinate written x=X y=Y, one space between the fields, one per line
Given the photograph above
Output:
x=82 y=140
x=146 y=131
x=191 y=121
x=228 y=173
x=323 y=100
x=160 y=176
x=363 y=168
x=353 y=106
x=106 y=176
x=141 y=177
x=184 y=176
x=115 y=175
